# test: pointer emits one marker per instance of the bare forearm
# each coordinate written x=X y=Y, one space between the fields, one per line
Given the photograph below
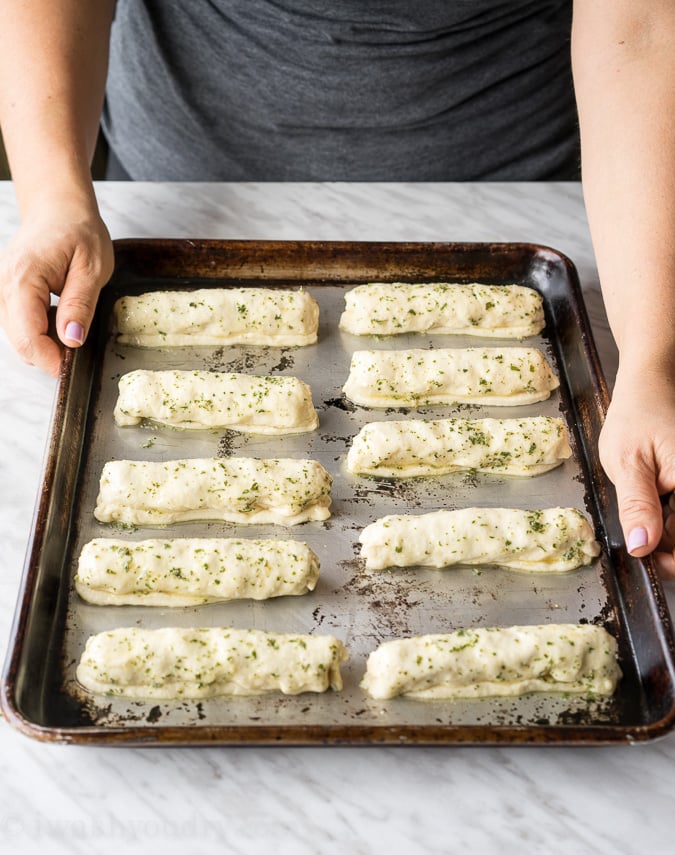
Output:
x=53 y=63
x=624 y=71
x=624 y=66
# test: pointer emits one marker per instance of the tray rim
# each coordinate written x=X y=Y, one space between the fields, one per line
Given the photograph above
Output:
x=316 y=735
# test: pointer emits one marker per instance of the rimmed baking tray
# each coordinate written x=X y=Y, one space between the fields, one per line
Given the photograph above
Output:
x=40 y=695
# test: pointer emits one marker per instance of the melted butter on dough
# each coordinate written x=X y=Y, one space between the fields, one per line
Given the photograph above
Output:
x=416 y=447
x=215 y=316
x=536 y=541
x=231 y=489
x=211 y=399
x=413 y=378
x=391 y=308
x=175 y=663
x=495 y=662
x=190 y=571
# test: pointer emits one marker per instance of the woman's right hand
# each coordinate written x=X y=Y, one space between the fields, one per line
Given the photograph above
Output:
x=63 y=248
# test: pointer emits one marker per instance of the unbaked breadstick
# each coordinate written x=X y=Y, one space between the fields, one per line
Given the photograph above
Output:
x=231 y=489
x=172 y=663
x=495 y=662
x=391 y=308
x=212 y=399
x=217 y=316
x=190 y=571
x=419 y=447
x=536 y=541
x=414 y=378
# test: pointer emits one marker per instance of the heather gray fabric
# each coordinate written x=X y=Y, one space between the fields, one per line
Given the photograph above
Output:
x=333 y=90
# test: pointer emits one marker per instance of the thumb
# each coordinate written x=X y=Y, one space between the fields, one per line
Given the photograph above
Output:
x=76 y=308
x=640 y=510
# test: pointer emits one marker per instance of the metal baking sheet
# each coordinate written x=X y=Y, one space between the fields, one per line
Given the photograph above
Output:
x=40 y=694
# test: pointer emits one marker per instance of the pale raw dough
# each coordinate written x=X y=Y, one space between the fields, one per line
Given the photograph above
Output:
x=212 y=399
x=553 y=540
x=231 y=489
x=390 y=308
x=495 y=662
x=215 y=316
x=191 y=571
x=413 y=378
x=172 y=662
x=417 y=447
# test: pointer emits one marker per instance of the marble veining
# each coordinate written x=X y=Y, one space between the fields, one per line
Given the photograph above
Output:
x=414 y=800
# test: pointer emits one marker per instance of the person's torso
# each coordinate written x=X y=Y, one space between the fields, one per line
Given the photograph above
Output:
x=312 y=90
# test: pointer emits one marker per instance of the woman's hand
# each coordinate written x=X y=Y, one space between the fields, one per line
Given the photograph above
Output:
x=64 y=248
x=637 y=450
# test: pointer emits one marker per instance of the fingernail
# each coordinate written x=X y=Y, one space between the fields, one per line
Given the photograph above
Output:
x=75 y=332
x=637 y=539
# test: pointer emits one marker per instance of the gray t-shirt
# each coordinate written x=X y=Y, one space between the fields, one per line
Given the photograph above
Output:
x=342 y=90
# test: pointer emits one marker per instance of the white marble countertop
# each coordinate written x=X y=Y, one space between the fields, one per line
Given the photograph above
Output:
x=332 y=800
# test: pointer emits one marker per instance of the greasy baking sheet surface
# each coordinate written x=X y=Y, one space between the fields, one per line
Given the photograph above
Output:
x=40 y=693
